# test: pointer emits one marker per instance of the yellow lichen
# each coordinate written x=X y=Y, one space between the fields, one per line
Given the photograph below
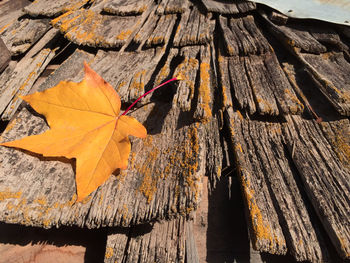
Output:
x=7 y=195
x=204 y=95
x=124 y=34
x=109 y=252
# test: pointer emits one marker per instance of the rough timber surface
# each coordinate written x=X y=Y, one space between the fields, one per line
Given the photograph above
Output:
x=242 y=36
x=40 y=7
x=89 y=27
x=259 y=84
x=226 y=7
x=279 y=218
x=143 y=192
x=5 y=55
x=159 y=242
x=20 y=79
x=318 y=152
x=22 y=34
x=126 y=7
x=172 y=7
x=194 y=28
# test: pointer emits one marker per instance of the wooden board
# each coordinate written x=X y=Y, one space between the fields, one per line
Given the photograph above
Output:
x=278 y=217
x=53 y=8
x=242 y=37
x=5 y=55
x=126 y=7
x=195 y=28
x=226 y=7
x=172 y=7
x=142 y=193
x=90 y=28
x=22 y=34
x=258 y=84
x=320 y=153
x=168 y=241
x=19 y=80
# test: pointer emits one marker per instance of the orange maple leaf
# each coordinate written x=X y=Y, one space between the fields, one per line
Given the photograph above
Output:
x=84 y=124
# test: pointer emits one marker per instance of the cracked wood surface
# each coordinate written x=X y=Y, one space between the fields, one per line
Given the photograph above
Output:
x=293 y=171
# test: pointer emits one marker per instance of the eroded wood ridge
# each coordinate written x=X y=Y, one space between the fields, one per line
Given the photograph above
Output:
x=259 y=84
x=324 y=175
x=233 y=7
x=21 y=35
x=126 y=7
x=135 y=70
x=161 y=241
x=195 y=28
x=326 y=64
x=53 y=8
x=5 y=56
x=242 y=36
x=172 y=7
x=279 y=218
x=90 y=28
x=171 y=160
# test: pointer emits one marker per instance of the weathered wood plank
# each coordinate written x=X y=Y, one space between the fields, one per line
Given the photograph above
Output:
x=22 y=34
x=242 y=37
x=225 y=7
x=172 y=7
x=165 y=241
x=28 y=70
x=195 y=28
x=5 y=55
x=324 y=175
x=295 y=36
x=53 y=8
x=169 y=161
x=19 y=80
x=161 y=33
x=10 y=11
x=88 y=27
x=258 y=83
x=205 y=88
x=134 y=70
x=331 y=73
x=187 y=70
x=126 y=7
x=271 y=191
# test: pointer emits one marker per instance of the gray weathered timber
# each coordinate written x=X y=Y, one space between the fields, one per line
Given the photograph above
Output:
x=146 y=29
x=27 y=71
x=22 y=34
x=195 y=28
x=258 y=83
x=242 y=37
x=90 y=28
x=5 y=56
x=172 y=7
x=226 y=7
x=161 y=33
x=295 y=36
x=154 y=242
x=134 y=70
x=126 y=7
x=10 y=11
x=331 y=72
x=187 y=70
x=40 y=192
x=53 y=8
x=324 y=175
x=268 y=169
x=19 y=80
x=43 y=189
